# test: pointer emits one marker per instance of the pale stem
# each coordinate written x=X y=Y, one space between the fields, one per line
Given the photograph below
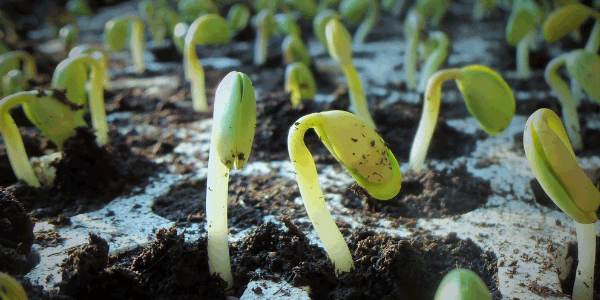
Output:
x=358 y=101
x=367 y=24
x=312 y=195
x=12 y=138
x=410 y=60
x=434 y=61
x=583 y=289
x=261 y=46
x=216 y=215
x=431 y=109
x=295 y=97
x=96 y=102
x=136 y=42
x=196 y=78
x=523 y=68
x=569 y=110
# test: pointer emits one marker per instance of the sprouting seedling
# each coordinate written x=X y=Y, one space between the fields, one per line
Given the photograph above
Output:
x=462 y=284
x=413 y=25
x=71 y=74
x=299 y=81
x=169 y=19
x=483 y=8
x=433 y=9
x=12 y=60
x=98 y=54
x=79 y=8
x=263 y=24
x=306 y=8
x=340 y=48
x=51 y=112
x=287 y=24
x=10 y=288
x=487 y=96
x=294 y=50
x=192 y=9
x=520 y=32
x=361 y=151
x=584 y=68
x=238 y=17
x=234 y=121
x=320 y=23
x=179 y=34
x=440 y=47
x=115 y=36
x=69 y=35
x=14 y=81
x=555 y=166
x=7 y=28
x=567 y=19
x=148 y=11
x=393 y=6
x=359 y=10
x=208 y=29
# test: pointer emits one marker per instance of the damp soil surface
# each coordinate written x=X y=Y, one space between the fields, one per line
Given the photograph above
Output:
x=16 y=236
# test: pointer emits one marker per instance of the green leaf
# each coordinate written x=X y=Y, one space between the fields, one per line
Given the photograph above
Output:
x=115 y=34
x=462 y=284
x=238 y=16
x=319 y=23
x=294 y=50
x=584 y=67
x=564 y=20
x=519 y=24
x=488 y=97
x=209 y=29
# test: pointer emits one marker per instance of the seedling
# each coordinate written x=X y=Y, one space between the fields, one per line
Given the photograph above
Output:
x=115 y=35
x=306 y=8
x=179 y=34
x=584 y=68
x=287 y=24
x=148 y=11
x=10 y=289
x=440 y=45
x=191 y=10
x=520 y=32
x=300 y=82
x=69 y=35
x=340 y=48
x=294 y=50
x=208 y=29
x=433 y=9
x=462 y=284
x=320 y=23
x=234 y=121
x=483 y=8
x=358 y=10
x=14 y=81
x=393 y=6
x=413 y=25
x=71 y=74
x=487 y=96
x=98 y=54
x=555 y=166
x=361 y=151
x=51 y=112
x=326 y=4
x=12 y=60
x=238 y=17
x=263 y=24
x=79 y=8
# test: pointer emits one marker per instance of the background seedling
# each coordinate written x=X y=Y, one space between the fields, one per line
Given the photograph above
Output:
x=440 y=44
x=190 y=10
x=520 y=32
x=483 y=8
x=300 y=82
x=433 y=10
x=413 y=25
x=287 y=24
x=69 y=34
x=355 y=11
x=320 y=22
x=294 y=50
x=115 y=35
x=263 y=24
x=96 y=53
x=238 y=17
x=12 y=60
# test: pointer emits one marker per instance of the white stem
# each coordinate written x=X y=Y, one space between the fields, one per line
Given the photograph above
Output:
x=523 y=68
x=216 y=215
x=136 y=43
x=410 y=61
x=260 y=47
x=575 y=93
x=583 y=289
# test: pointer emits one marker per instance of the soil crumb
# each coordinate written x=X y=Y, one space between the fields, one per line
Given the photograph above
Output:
x=16 y=235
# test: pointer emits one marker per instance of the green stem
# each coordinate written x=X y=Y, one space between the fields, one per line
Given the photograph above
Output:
x=431 y=109
x=358 y=101
x=479 y=10
x=523 y=68
x=216 y=216
x=410 y=60
x=312 y=195
x=196 y=76
x=136 y=42
x=569 y=110
x=583 y=289
x=368 y=23
x=261 y=45
x=12 y=138
x=96 y=101
x=435 y=59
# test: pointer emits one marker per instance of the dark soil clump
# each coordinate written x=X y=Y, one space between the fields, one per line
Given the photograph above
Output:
x=567 y=284
x=428 y=194
x=16 y=235
x=88 y=177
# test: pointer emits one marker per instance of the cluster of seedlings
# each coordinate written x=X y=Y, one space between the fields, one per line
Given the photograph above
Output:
x=78 y=85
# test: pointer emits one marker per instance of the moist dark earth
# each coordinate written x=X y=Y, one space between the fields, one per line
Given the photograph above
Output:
x=172 y=268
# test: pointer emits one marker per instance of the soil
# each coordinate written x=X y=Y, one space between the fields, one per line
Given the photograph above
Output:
x=16 y=236
x=567 y=283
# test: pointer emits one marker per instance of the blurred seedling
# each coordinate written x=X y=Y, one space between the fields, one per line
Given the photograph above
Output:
x=116 y=32
x=299 y=81
x=365 y=12
x=438 y=46
x=520 y=32
x=12 y=61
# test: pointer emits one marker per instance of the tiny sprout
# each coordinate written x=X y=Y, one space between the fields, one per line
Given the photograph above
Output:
x=69 y=34
x=434 y=9
x=287 y=24
x=306 y=8
x=14 y=81
x=234 y=121
x=462 y=284
x=12 y=60
x=238 y=17
x=483 y=8
x=52 y=113
x=193 y=9
x=520 y=32
x=98 y=54
x=115 y=35
x=11 y=289
x=356 y=10
x=487 y=96
x=555 y=166
x=413 y=25
x=263 y=23
x=340 y=48
x=319 y=23
x=440 y=44
x=300 y=82
x=71 y=74
x=208 y=29
x=361 y=151
x=584 y=68
x=294 y=50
